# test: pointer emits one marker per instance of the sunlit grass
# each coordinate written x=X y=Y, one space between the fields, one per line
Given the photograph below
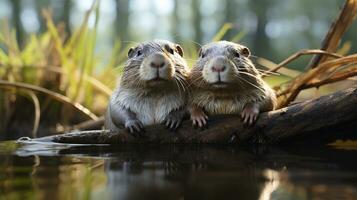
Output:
x=65 y=65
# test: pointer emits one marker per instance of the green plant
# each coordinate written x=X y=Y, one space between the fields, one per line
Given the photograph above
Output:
x=57 y=67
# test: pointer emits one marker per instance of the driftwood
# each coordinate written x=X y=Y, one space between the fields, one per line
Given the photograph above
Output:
x=301 y=119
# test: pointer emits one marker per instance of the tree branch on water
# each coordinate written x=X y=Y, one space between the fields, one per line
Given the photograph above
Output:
x=301 y=119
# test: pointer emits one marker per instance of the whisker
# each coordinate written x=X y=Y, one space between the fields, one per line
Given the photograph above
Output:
x=245 y=73
x=184 y=81
x=185 y=85
x=200 y=45
x=259 y=88
x=196 y=81
x=178 y=87
x=268 y=72
x=200 y=83
x=130 y=41
x=180 y=79
x=254 y=56
x=177 y=80
x=249 y=74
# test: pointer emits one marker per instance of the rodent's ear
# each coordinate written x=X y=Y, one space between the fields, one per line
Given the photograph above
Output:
x=245 y=52
x=200 y=52
x=131 y=52
x=179 y=50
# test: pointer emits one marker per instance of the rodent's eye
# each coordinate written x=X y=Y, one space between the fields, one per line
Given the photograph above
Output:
x=169 y=49
x=138 y=53
x=236 y=54
x=203 y=55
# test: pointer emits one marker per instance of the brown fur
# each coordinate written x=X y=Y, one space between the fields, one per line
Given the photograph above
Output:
x=241 y=85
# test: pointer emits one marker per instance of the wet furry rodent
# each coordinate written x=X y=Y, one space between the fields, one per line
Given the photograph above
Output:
x=225 y=81
x=152 y=89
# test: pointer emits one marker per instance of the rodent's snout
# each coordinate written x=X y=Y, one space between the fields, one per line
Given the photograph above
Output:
x=156 y=67
x=218 y=70
x=218 y=64
x=157 y=61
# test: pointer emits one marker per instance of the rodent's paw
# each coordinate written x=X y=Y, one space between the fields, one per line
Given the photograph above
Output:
x=173 y=122
x=199 y=119
x=250 y=114
x=134 y=125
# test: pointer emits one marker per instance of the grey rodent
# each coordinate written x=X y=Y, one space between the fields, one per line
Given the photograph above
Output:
x=152 y=89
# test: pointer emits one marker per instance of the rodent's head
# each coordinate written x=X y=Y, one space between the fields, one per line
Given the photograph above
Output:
x=223 y=65
x=153 y=64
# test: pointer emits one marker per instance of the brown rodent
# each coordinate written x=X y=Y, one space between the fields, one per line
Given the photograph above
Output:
x=225 y=81
x=152 y=89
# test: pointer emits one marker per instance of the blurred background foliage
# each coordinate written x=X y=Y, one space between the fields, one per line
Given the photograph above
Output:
x=273 y=29
x=71 y=52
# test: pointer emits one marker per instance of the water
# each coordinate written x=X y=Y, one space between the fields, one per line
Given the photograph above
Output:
x=40 y=171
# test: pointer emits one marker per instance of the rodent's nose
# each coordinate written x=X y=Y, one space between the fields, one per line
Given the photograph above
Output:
x=157 y=61
x=218 y=68
x=157 y=64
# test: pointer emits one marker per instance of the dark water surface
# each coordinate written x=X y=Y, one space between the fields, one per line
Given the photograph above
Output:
x=40 y=171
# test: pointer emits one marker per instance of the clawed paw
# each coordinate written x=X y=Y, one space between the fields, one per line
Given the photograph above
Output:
x=250 y=114
x=199 y=119
x=134 y=126
x=173 y=122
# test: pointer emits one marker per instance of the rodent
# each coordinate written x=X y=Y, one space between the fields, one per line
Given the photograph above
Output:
x=225 y=81
x=152 y=89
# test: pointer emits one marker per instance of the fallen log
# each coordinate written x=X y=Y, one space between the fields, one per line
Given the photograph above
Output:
x=301 y=119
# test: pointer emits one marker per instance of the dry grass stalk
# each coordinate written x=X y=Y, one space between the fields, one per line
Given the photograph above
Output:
x=316 y=77
x=301 y=53
x=97 y=84
x=54 y=95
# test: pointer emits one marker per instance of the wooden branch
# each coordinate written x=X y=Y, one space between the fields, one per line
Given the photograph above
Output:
x=297 y=84
x=332 y=39
x=301 y=119
x=301 y=53
x=345 y=75
x=332 y=79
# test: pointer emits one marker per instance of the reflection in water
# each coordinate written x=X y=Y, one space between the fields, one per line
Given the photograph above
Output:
x=272 y=183
x=177 y=172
